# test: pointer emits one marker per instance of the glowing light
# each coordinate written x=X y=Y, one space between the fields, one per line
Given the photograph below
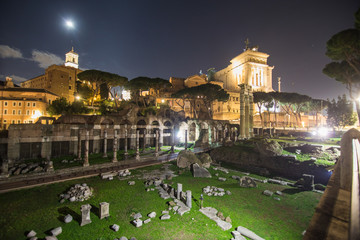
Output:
x=162 y=100
x=179 y=135
x=77 y=97
x=69 y=24
x=36 y=115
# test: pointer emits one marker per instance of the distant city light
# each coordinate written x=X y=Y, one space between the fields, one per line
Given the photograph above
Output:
x=77 y=97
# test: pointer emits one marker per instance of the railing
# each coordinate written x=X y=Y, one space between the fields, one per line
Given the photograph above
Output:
x=354 y=226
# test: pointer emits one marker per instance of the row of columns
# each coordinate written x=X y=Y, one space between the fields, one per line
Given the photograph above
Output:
x=115 y=145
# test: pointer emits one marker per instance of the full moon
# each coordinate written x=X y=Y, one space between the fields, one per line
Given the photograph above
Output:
x=69 y=24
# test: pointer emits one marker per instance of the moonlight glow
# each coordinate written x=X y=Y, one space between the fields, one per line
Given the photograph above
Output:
x=69 y=24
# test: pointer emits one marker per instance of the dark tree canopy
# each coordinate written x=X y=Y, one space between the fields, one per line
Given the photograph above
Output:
x=205 y=93
x=340 y=113
x=98 y=78
x=344 y=49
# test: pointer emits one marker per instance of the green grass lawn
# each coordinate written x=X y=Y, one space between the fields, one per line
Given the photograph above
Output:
x=39 y=209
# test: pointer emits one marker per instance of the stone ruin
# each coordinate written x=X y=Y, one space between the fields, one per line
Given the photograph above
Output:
x=77 y=193
x=215 y=191
x=25 y=168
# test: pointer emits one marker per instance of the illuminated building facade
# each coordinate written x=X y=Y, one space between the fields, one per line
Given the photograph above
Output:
x=59 y=79
x=250 y=68
x=22 y=105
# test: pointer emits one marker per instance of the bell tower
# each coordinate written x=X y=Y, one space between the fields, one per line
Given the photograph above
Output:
x=72 y=59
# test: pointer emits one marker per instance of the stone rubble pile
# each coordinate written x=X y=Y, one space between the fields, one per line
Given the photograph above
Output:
x=77 y=193
x=215 y=191
x=25 y=168
x=111 y=175
x=124 y=173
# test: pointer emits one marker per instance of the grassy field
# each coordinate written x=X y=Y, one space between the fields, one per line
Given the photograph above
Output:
x=39 y=209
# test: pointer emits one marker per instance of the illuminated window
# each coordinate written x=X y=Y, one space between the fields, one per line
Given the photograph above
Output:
x=19 y=112
x=33 y=112
x=14 y=112
x=27 y=112
x=19 y=121
x=19 y=104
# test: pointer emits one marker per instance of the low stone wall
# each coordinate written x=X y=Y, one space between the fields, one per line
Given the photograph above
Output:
x=280 y=165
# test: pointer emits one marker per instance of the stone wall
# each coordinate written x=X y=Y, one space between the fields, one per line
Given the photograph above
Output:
x=282 y=166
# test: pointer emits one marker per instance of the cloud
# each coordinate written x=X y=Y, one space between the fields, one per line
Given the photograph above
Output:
x=45 y=59
x=17 y=79
x=8 y=52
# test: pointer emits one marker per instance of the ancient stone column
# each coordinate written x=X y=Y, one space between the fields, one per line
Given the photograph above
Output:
x=104 y=210
x=251 y=113
x=188 y=198
x=242 y=111
x=79 y=145
x=229 y=135
x=172 y=140
x=161 y=138
x=156 y=143
x=179 y=190
x=236 y=135
x=247 y=114
x=144 y=142
x=105 y=144
x=126 y=143
x=186 y=139
x=137 y=145
x=85 y=214
x=86 y=157
x=115 y=147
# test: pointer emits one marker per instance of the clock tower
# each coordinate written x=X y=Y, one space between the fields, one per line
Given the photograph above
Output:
x=72 y=59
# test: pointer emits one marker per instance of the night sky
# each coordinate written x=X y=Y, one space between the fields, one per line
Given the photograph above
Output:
x=175 y=38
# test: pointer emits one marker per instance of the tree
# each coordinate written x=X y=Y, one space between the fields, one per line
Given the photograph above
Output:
x=293 y=104
x=262 y=99
x=340 y=113
x=84 y=90
x=97 y=78
x=344 y=49
x=62 y=106
x=139 y=84
x=205 y=94
x=316 y=106
x=58 y=107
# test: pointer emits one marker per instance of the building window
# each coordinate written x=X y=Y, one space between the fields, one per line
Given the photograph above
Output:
x=27 y=112
x=5 y=111
x=14 y=112
x=28 y=104
x=13 y=121
x=14 y=104
x=33 y=112
x=19 y=121
x=49 y=101
x=19 y=112
x=34 y=104
x=30 y=121
x=5 y=104
x=25 y=121
x=19 y=103
x=69 y=87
